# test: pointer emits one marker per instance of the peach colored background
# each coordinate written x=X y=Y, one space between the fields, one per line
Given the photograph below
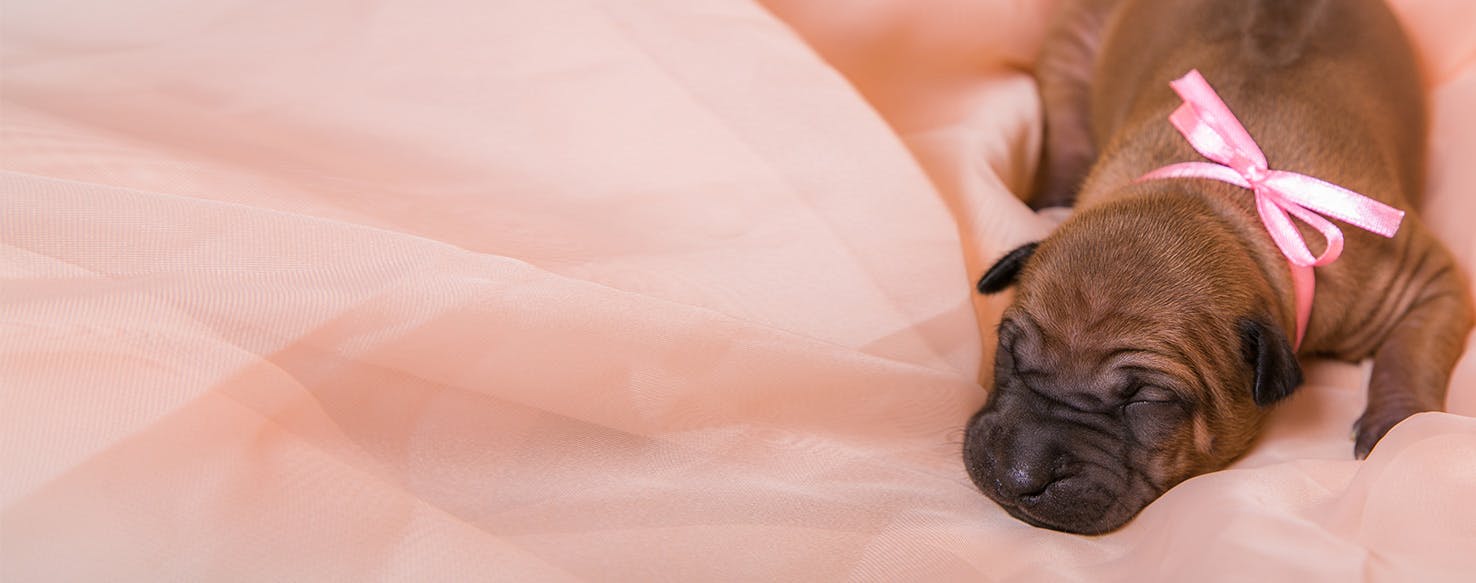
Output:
x=543 y=290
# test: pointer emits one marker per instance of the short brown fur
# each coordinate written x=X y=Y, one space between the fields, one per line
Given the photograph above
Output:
x=1174 y=285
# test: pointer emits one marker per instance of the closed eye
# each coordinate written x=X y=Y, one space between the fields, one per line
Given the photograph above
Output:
x=1149 y=406
x=1153 y=417
x=1153 y=394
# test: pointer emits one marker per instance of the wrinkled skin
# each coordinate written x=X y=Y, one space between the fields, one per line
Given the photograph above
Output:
x=1106 y=395
x=1148 y=336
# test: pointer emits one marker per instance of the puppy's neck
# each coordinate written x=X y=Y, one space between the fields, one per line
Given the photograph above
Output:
x=1225 y=218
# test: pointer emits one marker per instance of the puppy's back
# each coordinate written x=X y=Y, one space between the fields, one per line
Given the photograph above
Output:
x=1277 y=31
x=1330 y=89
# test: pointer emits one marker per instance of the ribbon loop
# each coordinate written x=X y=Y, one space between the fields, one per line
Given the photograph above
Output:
x=1214 y=131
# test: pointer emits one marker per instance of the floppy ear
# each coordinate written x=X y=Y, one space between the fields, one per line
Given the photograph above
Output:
x=1002 y=275
x=1270 y=355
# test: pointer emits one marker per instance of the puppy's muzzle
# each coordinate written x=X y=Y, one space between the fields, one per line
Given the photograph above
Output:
x=1030 y=468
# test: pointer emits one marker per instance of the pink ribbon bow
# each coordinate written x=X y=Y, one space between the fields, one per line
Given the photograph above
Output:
x=1213 y=130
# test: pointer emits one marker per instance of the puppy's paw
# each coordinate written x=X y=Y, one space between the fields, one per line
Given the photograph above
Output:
x=1372 y=426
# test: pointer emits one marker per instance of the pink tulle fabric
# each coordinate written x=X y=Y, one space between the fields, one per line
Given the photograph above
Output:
x=550 y=290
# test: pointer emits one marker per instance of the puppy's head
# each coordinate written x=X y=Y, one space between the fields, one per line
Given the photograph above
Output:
x=1140 y=350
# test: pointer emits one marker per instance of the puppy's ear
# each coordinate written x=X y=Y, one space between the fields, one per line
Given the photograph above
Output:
x=1271 y=356
x=1002 y=275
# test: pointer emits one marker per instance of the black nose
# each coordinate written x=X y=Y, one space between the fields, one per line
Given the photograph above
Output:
x=1015 y=462
x=1029 y=467
x=1026 y=481
x=1035 y=470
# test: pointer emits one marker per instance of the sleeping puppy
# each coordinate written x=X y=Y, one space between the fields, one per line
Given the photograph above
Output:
x=1151 y=332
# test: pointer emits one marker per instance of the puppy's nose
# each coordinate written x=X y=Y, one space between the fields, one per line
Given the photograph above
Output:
x=1025 y=480
x=1031 y=466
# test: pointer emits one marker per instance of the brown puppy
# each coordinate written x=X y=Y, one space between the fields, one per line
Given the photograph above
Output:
x=1150 y=333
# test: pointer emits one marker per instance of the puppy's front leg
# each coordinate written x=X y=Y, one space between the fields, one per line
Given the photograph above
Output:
x=1411 y=370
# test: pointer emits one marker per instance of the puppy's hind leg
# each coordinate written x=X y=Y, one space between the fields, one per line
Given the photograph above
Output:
x=1064 y=73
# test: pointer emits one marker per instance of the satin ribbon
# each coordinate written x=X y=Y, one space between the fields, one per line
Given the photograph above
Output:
x=1209 y=126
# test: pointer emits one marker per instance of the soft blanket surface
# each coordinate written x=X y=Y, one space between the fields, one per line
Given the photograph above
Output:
x=544 y=290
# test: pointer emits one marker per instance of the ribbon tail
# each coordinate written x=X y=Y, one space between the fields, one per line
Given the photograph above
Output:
x=1276 y=220
x=1337 y=202
x=1304 y=284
